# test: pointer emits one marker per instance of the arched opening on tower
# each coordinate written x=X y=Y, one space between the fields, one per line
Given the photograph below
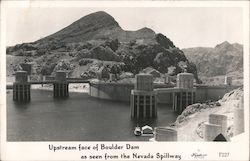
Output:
x=220 y=137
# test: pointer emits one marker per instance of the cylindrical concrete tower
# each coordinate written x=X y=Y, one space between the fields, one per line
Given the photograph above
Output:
x=98 y=76
x=165 y=134
x=221 y=120
x=21 y=87
x=112 y=77
x=238 y=121
x=21 y=77
x=61 y=76
x=185 y=80
x=166 y=79
x=228 y=80
x=61 y=86
x=216 y=127
x=144 y=82
x=143 y=98
x=185 y=93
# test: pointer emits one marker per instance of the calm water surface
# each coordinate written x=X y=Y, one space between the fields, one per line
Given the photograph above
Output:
x=77 y=118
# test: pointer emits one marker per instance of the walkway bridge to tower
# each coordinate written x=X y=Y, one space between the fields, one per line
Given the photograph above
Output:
x=22 y=85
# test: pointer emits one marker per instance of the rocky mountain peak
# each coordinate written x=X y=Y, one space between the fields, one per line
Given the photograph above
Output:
x=100 y=18
x=229 y=49
x=85 y=28
x=97 y=40
x=223 y=45
x=223 y=59
x=237 y=46
x=147 y=30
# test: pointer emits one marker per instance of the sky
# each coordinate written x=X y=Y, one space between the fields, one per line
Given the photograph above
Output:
x=185 y=26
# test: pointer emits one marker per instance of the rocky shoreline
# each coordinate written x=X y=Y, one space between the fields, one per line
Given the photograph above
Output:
x=77 y=87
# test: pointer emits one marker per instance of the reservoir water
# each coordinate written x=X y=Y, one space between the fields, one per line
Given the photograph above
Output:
x=77 y=118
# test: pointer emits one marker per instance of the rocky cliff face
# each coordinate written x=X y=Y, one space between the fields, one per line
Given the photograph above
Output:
x=97 y=40
x=223 y=59
x=190 y=124
x=214 y=63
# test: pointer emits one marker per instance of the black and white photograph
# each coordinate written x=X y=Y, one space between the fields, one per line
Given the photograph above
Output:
x=160 y=74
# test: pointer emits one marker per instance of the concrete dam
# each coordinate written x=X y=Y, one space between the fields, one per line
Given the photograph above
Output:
x=144 y=96
x=179 y=97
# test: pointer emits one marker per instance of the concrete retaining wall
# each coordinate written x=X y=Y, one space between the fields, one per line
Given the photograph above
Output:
x=111 y=91
x=238 y=121
x=213 y=93
x=165 y=134
x=122 y=92
x=117 y=91
x=164 y=98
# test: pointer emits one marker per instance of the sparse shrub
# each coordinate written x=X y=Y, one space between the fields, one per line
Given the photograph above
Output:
x=217 y=103
x=9 y=50
x=85 y=62
x=88 y=74
x=113 y=44
x=41 y=52
x=132 y=43
x=84 y=53
x=180 y=119
x=164 y=41
x=72 y=54
x=47 y=69
x=64 y=65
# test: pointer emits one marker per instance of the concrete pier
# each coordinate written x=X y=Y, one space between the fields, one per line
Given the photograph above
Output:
x=143 y=98
x=182 y=98
x=165 y=134
x=21 y=87
x=61 y=86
